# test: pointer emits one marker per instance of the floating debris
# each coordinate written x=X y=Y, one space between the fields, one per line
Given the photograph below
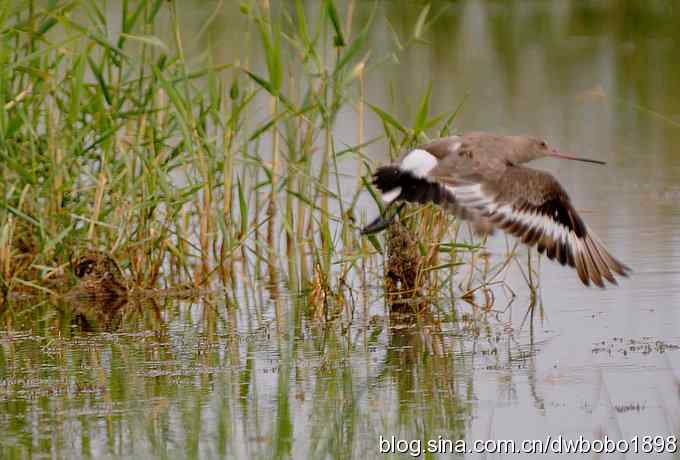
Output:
x=99 y=276
x=643 y=346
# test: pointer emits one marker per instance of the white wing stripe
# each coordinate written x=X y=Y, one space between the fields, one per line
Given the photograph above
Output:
x=472 y=196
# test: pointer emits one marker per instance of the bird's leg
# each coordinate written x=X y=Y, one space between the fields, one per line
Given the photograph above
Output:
x=382 y=222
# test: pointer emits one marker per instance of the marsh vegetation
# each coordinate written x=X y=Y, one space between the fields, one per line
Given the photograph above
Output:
x=197 y=173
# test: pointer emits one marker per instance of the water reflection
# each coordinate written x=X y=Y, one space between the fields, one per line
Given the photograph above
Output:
x=217 y=382
x=433 y=389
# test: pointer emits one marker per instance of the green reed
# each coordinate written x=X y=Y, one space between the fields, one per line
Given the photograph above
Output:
x=189 y=170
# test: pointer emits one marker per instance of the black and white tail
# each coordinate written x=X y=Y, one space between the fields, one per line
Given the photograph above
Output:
x=396 y=184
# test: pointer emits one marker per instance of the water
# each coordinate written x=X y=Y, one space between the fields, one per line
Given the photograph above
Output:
x=180 y=379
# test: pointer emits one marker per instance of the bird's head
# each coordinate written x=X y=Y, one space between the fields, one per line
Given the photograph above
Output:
x=530 y=148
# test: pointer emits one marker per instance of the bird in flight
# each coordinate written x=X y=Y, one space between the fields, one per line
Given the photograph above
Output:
x=479 y=177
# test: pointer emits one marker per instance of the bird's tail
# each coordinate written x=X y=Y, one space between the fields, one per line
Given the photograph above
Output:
x=396 y=184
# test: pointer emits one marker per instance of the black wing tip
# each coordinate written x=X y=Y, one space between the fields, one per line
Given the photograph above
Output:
x=598 y=278
x=594 y=265
x=625 y=270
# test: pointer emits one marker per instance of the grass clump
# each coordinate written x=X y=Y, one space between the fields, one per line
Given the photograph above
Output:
x=186 y=170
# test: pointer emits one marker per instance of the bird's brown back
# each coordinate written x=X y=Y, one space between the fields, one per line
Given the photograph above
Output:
x=483 y=155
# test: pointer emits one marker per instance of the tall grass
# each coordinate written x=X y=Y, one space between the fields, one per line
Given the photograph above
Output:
x=188 y=170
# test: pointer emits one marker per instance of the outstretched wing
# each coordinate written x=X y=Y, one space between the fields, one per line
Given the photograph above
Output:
x=533 y=206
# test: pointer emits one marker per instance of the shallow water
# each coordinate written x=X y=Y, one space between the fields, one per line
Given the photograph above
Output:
x=183 y=379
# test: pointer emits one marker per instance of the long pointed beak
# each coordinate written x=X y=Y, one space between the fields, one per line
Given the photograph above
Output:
x=557 y=154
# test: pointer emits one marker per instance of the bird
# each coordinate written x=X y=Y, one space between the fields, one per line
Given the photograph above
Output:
x=480 y=177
